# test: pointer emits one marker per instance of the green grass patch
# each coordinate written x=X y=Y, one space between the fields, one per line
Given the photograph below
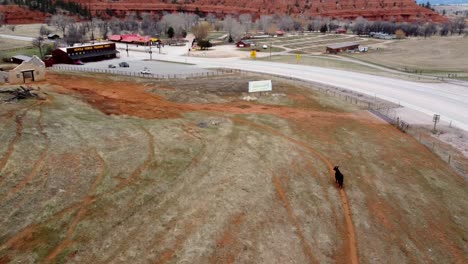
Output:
x=321 y=62
x=260 y=49
x=25 y=51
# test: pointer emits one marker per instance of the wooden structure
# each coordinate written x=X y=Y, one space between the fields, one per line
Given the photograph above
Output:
x=87 y=52
x=243 y=43
x=32 y=70
x=340 y=47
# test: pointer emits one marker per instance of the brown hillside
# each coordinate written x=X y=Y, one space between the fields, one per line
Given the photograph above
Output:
x=399 y=10
x=21 y=15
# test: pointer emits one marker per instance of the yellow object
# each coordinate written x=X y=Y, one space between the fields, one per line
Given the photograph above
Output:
x=253 y=54
x=298 y=57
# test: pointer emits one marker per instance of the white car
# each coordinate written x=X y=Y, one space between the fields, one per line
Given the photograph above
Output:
x=145 y=71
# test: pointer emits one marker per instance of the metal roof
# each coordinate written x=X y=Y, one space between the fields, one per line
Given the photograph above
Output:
x=93 y=54
x=22 y=57
x=342 y=45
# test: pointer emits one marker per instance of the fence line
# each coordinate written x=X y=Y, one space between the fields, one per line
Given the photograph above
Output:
x=216 y=72
x=381 y=108
x=387 y=111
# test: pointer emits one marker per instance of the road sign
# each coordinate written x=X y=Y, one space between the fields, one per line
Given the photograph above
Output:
x=253 y=54
x=260 y=86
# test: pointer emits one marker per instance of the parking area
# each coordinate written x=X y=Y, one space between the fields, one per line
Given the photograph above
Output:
x=138 y=60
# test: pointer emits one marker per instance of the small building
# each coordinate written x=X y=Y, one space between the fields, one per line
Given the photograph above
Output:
x=33 y=69
x=132 y=39
x=244 y=43
x=18 y=59
x=116 y=38
x=340 y=30
x=53 y=36
x=279 y=33
x=340 y=47
x=86 y=52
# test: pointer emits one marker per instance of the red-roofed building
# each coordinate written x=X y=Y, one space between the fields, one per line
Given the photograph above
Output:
x=132 y=38
x=115 y=38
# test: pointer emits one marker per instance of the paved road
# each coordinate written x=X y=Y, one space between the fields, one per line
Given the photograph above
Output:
x=447 y=99
x=450 y=100
x=16 y=37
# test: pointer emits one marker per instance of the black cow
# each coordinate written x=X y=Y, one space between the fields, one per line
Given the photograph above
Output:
x=339 y=178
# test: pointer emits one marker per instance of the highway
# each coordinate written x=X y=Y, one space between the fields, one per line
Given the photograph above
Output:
x=448 y=100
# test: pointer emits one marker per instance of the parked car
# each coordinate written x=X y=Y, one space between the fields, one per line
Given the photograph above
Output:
x=111 y=66
x=146 y=71
x=124 y=64
x=78 y=62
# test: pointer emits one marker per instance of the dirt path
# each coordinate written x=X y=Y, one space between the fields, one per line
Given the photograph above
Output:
x=12 y=144
x=352 y=251
x=137 y=172
x=293 y=219
x=37 y=165
x=86 y=202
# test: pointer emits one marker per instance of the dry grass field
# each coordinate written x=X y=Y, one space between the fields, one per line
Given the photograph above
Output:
x=435 y=55
x=26 y=30
x=112 y=170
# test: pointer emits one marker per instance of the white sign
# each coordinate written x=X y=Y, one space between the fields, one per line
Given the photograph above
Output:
x=260 y=86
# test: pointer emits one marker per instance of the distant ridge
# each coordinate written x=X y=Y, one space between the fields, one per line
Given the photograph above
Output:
x=397 y=10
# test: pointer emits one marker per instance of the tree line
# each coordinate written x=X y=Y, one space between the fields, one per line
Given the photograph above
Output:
x=177 y=25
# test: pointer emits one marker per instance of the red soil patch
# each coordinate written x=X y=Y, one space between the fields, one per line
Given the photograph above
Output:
x=228 y=245
x=126 y=98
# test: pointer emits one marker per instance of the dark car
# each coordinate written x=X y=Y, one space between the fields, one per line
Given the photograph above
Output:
x=124 y=64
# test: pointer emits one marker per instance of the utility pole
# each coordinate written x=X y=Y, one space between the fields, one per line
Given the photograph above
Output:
x=270 y=48
x=92 y=24
x=435 y=119
x=150 y=52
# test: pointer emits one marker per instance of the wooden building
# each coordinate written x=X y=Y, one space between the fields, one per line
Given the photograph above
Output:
x=31 y=70
x=340 y=47
x=84 y=53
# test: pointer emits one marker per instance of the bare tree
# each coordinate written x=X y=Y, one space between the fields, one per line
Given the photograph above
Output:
x=103 y=26
x=115 y=25
x=176 y=21
x=75 y=34
x=246 y=22
x=286 y=23
x=459 y=25
x=228 y=24
x=61 y=22
x=2 y=19
x=130 y=23
x=211 y=18
x=272 y=29
x=190 y=20
x=43 y=31
x=148 y=24
x=37 y=42
x=201 y=30
x=264 y=23
x=445 y=29
x=361 y=26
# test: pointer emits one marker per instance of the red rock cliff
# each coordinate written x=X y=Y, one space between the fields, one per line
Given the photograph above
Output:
x=399 y=10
